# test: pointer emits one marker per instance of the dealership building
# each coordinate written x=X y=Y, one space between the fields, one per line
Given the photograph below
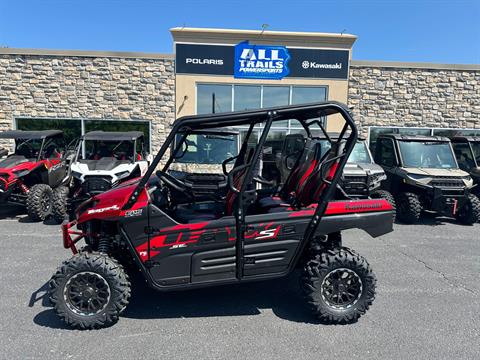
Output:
x=218 y=70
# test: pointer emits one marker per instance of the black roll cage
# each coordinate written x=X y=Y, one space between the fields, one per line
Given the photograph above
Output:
x=44 y=140
x=303 y=113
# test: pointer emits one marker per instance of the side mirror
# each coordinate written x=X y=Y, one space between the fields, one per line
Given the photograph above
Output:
x=3 y=152
x=149 y=158
x=181 y=153
x=69 y=155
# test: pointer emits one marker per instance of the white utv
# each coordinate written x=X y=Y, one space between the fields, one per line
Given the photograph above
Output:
x=103 y=160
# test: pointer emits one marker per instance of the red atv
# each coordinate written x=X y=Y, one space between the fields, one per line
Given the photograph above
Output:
x=29 y=176
x=254 y=232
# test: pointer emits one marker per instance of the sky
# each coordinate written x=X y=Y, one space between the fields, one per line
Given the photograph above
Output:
x=420 y=31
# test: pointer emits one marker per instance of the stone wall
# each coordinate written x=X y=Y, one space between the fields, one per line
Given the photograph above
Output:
x=90 y=88
x=93 y=85
x=413 y=96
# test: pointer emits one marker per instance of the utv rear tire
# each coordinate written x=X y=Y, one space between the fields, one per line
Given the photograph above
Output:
x=469 y=214
x=384 y=194
x=60 y=204
x=409 y=208
x=39 y=202
x=90 y=291
x=338 y=285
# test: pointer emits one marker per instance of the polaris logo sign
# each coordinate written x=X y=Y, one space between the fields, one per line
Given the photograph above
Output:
x=204 y=61
x=260 y=61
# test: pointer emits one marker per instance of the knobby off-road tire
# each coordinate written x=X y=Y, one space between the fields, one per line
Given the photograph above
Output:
x=384 y=194
x=338 y=285
x=39 y=202
x=60 y=204
x=90 y=291
x=469 y=214
x=409 y=208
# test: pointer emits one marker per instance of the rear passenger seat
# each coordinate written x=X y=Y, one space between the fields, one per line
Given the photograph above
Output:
x=309 y=186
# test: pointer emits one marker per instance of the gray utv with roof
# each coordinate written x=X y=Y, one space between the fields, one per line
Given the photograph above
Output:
x=423 y=174
x=361 y=178
x=103 y=160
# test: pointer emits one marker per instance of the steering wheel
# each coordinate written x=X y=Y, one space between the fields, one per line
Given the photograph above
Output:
x=174 y=183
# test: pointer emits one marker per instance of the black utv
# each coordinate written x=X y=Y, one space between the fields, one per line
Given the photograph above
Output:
x=467 y=151
x=423 y=174
x=178 y=245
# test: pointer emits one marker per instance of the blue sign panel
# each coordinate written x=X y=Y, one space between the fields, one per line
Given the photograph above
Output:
x=260 y=61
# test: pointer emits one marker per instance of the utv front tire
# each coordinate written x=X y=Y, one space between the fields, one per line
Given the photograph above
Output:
x=383 y=194
x=60 y=204
x=39 y=202
x=409 y=208
x=469 y=214
x=90 y=291
x=338 y=285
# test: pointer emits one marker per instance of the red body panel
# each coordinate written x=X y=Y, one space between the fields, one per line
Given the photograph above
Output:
x=8 y=176
x=110 y=203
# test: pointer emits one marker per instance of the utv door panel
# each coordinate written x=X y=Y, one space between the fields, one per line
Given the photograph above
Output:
x=172 y=270
x=56 y=172
x=268 y=258
x=214 y=265
x=271 y=245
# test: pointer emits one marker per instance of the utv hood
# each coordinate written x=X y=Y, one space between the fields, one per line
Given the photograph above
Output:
x=12 y=161
x=436 y=172
x=362 y=169
x=105 y=164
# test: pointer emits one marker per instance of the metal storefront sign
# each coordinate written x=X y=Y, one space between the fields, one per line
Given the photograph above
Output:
x=261 y=61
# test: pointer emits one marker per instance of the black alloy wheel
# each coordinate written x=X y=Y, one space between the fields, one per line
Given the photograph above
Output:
x=87 y=293
x=341 y=288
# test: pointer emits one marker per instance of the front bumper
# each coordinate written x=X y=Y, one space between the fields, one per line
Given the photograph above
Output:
x=67 y=232
x=448 y=201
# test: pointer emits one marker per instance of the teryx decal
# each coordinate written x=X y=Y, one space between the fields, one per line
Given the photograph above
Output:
x=101 y=210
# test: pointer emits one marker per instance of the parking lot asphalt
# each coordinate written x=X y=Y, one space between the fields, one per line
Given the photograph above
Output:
x=427 y=306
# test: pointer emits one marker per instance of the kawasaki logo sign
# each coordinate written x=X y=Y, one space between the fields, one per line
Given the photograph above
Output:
x=260 y=61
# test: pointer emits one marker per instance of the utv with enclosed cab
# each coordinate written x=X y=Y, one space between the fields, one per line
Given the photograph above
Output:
x=467 y=151
x=103 y=160
x=240 y=241
x=36 y=168
x=423 y=174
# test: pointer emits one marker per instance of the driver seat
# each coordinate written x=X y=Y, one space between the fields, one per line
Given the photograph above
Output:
x=190 y=213
x=306 y=165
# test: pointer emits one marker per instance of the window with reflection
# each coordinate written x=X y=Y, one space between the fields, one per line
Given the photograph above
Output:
x=308 y=94
x=246 y=97
x=214 y=98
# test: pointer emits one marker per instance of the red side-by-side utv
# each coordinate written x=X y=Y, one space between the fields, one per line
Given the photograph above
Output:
x=251 y=233
x=36 y=167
